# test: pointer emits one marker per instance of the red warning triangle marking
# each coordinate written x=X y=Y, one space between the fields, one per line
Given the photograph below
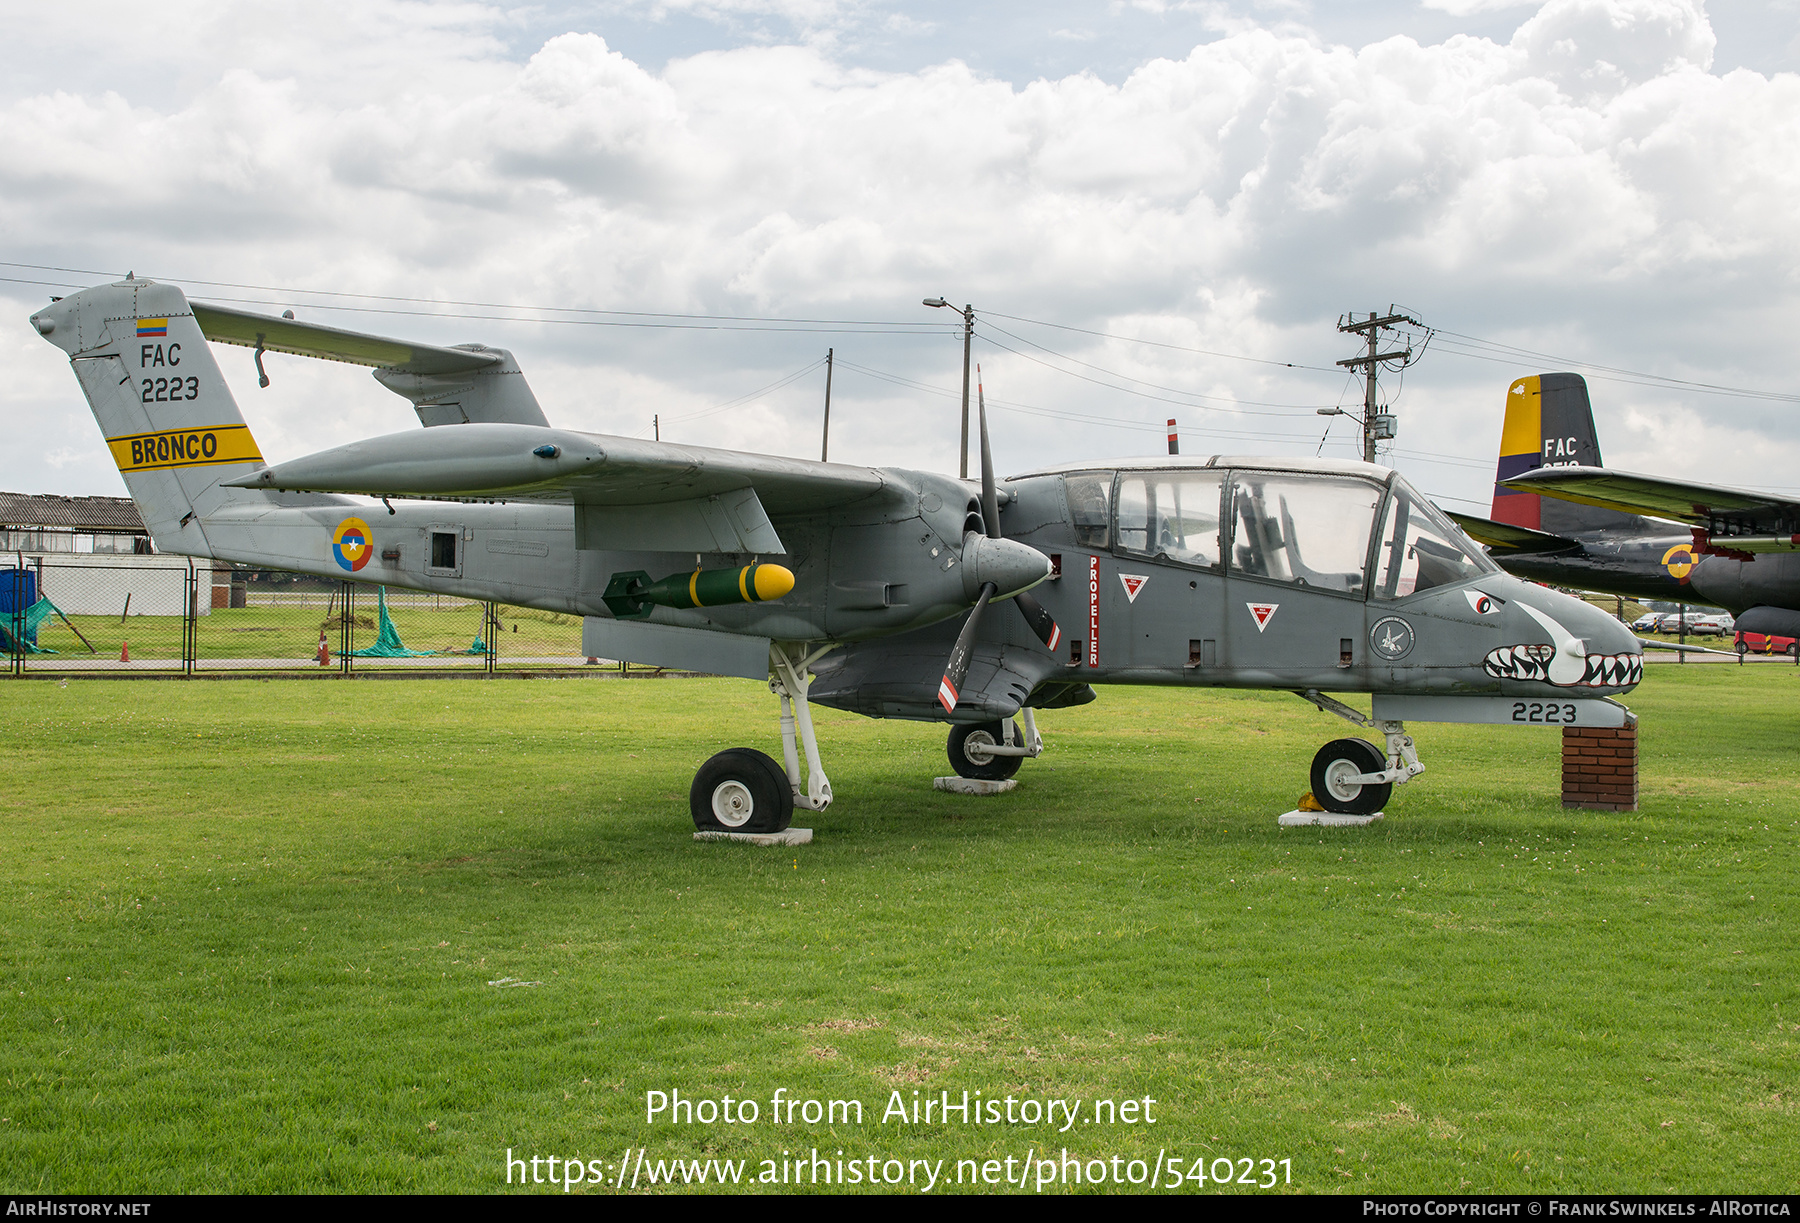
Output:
x=1132 y=583
x=1262 y=612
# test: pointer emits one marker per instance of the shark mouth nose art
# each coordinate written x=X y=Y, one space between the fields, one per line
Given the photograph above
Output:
x=1538 y=662
x=1564 y=663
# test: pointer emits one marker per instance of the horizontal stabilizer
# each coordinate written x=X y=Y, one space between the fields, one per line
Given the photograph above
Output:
x=447 y=386
x=227 y=325
x=1508 y=538
x=1652 y=496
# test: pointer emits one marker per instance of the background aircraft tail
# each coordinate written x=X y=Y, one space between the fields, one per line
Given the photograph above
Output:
x=1549 y=423
x=172 y=425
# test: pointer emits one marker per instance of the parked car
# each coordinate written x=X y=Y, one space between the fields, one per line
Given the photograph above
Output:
x=1712 y=626
x=1766 y=643
x=1646 y=623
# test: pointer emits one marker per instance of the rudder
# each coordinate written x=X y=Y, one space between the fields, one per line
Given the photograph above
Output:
x=1549 y=423
x=161 y=402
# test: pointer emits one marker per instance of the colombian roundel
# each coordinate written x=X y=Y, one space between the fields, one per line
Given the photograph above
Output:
x=352 y=544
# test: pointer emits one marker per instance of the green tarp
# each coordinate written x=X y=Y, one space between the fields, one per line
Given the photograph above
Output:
x=35 y=615
x=387 y=640
x=388 y=643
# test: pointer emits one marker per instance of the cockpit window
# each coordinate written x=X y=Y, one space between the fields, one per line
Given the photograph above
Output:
x=1088 y=493
x=1421 y=549
x=1308 y=530
x=1171 y=515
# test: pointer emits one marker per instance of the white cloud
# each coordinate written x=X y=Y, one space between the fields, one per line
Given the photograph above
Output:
x=1598 y=47
x=1466 y=8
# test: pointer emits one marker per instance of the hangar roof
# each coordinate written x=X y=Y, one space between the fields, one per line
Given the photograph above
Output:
x=30 y=510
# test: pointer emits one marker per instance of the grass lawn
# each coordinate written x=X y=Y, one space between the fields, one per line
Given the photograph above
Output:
x=288 y=632
x=269 y=936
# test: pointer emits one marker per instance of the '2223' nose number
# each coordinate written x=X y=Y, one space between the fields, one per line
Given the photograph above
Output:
x=1544 y=712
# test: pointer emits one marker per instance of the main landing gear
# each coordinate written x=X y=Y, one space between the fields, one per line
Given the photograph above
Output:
x=1353 y=776
x=992 y=751
x=744 y=790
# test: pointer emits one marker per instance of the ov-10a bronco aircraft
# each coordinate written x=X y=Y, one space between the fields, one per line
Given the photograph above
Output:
x=865 y=589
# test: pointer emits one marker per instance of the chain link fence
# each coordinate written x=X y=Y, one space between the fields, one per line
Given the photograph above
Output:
x=172 y=616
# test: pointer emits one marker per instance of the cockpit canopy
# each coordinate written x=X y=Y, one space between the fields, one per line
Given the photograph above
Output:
x=1301 y=528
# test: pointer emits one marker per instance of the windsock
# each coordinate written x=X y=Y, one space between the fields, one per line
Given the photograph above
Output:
x=632 y=595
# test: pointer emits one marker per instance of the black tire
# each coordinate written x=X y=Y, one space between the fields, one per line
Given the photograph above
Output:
x=1351 y=757
x=1792 y=649
x=741 y=790
x=969 y=739
x=1742 y=649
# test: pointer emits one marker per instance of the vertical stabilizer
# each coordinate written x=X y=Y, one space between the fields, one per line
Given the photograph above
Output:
x=172 y=425
x=1549 y=423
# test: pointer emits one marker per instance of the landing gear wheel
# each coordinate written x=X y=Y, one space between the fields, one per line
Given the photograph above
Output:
x=1334 y=773
x=741 y=790
x=970 y=758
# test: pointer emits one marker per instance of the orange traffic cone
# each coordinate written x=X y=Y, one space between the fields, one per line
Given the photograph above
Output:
x=124 y=651
x=324 y=650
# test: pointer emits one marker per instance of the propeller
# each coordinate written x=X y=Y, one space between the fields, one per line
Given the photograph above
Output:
x=1036 y=615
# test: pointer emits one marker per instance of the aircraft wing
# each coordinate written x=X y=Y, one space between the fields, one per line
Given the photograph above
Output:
x=1652 y=496
x=1506 y=537
x=628 y=493
x=227 y=325
x=1736 y=518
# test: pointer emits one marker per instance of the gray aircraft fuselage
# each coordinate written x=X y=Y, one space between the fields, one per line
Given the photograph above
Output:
x=1227 y=572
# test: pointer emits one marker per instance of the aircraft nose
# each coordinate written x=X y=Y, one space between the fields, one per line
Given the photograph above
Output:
x=1587 y=649
x=1604 y=634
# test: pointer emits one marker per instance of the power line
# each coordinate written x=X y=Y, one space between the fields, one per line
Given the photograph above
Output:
x=1452 y=342
x=1028 y=409
x=904 y=326
x=1207 y=352
x=1188 y=402
x=1507 y=354
x=743 y=400
x=1127 y=377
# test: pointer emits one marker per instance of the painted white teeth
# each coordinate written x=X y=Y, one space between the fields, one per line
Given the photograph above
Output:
x=1532 y=662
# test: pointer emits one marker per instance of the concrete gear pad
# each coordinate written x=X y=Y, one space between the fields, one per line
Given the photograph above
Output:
x=1326 y=819
x=787 y=836
x=969 y=785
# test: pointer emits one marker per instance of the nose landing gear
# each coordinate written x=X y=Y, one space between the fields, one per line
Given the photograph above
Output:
x=993 y=751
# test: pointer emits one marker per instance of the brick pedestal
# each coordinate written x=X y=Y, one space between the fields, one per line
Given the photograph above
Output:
x=1599 y=768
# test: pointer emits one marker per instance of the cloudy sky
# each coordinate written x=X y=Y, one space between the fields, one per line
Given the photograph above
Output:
x=1157 y=209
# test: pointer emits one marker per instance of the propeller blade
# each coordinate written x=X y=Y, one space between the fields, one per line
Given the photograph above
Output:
x=1041 y=621
x=990 y=500
x=1039 y=618
x=958 y=670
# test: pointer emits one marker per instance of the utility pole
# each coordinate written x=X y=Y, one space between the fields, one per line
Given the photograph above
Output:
x=656 y=427
x=825 y=440
x=968 y=313
x=1377 y=425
